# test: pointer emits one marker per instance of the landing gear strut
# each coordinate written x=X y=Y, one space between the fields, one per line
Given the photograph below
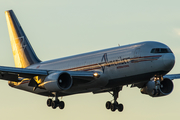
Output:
x=157 y=80
x=115 y=105
x=56 y=103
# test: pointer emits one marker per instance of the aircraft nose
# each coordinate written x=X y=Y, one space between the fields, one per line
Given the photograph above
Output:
x=169 y=60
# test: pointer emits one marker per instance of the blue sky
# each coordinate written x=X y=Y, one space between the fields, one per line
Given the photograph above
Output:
x=60 y=28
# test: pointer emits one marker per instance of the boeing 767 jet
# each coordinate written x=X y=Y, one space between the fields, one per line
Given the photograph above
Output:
x=143 y=65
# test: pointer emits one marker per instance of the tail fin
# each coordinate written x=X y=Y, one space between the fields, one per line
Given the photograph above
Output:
x=23 y=53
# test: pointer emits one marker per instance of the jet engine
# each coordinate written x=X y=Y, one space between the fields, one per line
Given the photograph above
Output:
x=157 y=88
x=57 y=81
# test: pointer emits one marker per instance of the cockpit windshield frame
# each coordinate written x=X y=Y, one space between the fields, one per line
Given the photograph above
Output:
x=161 y=50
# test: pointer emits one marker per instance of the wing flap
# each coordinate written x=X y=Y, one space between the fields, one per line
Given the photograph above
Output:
x=10 y=77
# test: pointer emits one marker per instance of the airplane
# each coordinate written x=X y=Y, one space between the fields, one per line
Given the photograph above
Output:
x=143 y=65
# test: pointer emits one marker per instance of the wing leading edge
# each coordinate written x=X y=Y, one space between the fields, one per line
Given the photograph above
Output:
x=12 y=73
x=172 y=76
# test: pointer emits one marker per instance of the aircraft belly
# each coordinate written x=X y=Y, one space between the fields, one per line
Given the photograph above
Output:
x=132 y=79
x=89 y=86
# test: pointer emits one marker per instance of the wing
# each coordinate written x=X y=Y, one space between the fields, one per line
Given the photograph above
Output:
x=172 y=76
x=12 y=73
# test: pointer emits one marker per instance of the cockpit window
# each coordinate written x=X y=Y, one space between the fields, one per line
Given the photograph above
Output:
x=161 y=50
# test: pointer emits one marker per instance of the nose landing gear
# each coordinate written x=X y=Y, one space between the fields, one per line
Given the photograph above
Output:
x=115 y=105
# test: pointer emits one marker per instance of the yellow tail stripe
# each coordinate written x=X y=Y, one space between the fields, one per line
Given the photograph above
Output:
x=17 y=49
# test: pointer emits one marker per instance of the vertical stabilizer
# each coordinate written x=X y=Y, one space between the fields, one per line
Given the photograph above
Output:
x=23 y=53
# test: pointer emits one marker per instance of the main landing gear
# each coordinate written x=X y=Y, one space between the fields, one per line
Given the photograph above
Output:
x=56 y=103
x=115 y=105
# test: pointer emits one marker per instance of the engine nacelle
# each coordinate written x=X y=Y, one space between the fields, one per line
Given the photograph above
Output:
x=58 y=81
x=155 y=89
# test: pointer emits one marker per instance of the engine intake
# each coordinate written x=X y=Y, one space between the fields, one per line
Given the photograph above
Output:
x=166 y=86
x=58 y=81
x=156 y=89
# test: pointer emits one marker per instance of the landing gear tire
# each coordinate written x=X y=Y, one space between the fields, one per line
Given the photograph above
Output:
x=49 y=102
x=108 y=104
x=61 y=105
x=156 y=92
x=113 y=107
x=120 y=107
x=54 y=104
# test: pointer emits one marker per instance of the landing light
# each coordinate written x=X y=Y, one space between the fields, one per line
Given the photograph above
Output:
x=96 y=75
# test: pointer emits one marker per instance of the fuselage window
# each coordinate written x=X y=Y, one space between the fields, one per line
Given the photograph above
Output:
x=161 y=50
